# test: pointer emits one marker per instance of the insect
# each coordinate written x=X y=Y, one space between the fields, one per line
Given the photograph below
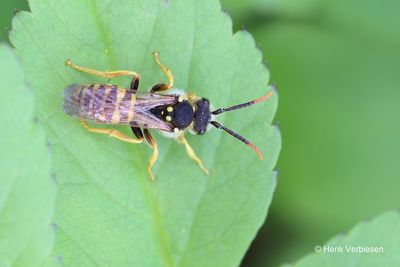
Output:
x=173 y=113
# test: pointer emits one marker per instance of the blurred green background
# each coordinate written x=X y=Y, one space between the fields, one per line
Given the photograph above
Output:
x=337 y=67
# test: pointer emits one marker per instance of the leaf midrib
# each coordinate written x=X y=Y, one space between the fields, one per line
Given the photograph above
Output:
x=150 y=197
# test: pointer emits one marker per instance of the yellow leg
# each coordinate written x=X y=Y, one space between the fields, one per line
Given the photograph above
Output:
x=112 y=133
x=168 y=74
x=104 y=74
x=192 y=154
x=154 y=156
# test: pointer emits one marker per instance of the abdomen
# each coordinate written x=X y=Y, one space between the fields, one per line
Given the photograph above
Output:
x=100 y=103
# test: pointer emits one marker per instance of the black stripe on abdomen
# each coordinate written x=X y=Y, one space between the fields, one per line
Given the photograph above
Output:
x=99 y=95
x=125 y=106
x=110 y=103
x=87 y=94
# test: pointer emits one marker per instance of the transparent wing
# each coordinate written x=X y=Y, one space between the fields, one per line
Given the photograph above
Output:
x=71 y=103
x=110 y=104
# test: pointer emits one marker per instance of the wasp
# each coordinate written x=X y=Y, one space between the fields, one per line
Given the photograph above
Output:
x=173 y=113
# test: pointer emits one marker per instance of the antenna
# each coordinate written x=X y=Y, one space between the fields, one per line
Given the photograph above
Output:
x=243 y=105
x=239 y=137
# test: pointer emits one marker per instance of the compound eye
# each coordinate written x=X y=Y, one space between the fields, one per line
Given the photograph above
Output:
x=182 y=115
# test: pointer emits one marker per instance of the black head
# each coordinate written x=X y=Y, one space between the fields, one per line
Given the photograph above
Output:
x=202 y=116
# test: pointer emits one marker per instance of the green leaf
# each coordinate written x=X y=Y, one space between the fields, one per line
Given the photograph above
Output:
x=8 y=7
x=27 y=192
x=374 y=243
x=108 y=212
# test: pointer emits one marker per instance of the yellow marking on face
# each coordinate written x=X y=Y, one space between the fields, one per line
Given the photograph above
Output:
x=180 y=99
x=176 y=130
x=170 y=109
x=168 y=118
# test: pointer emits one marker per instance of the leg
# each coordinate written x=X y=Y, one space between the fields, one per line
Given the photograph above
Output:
x=134 y=84
x=153 y=158
x=192 y=154
x=107 y=74
x=167 y=72
x=112 y=133
x=137 y=132
x=139 y=135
